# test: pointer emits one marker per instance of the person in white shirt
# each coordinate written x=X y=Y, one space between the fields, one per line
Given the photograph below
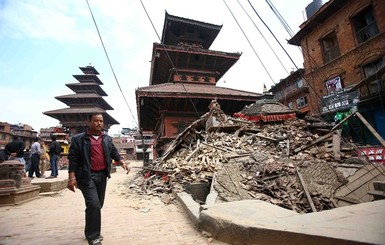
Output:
x=35 y=159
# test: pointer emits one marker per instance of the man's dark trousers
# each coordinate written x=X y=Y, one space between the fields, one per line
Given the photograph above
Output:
x=94 y=194
x=34 y=168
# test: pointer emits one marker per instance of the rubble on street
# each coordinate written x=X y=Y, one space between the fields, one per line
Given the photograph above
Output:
x=289 y=163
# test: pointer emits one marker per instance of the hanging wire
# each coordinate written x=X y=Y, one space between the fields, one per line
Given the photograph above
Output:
x=109 y=62
x=252 y=47
x=280 y=17
x=264 y=38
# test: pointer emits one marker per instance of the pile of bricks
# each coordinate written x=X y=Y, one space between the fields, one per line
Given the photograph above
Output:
x=243 y=160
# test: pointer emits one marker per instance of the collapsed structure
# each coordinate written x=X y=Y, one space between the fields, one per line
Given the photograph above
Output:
x=237 y=160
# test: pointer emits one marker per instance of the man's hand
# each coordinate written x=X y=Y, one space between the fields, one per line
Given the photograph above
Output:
x=72 y=184
x=124 y=166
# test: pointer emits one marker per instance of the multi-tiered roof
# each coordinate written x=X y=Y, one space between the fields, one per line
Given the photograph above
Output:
x=88 y=98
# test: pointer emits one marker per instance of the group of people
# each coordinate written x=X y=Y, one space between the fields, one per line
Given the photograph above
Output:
x=34 y=159
x=90 y=162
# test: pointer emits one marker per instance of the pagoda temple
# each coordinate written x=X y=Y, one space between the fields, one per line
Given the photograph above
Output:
x=88 y=98
x=183 y=77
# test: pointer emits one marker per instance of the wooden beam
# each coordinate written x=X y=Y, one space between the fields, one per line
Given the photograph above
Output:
x=195 y=151
x=306 y=190
x=342 y=121
x=326 y=135
x=371 y=129
x=337 y=145
x=314 y=142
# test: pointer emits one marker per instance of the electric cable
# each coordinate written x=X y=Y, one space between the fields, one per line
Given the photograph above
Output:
x=252 y=47
x=109 y=62
x=264 y=38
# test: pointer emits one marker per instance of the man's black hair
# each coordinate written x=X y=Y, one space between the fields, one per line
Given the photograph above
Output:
x=94 y=114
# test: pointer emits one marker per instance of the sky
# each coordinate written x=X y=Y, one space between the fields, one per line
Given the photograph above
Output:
x=43 y=43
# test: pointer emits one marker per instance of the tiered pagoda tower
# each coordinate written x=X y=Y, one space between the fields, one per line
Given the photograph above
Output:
x=184 y=73
x=88 y=98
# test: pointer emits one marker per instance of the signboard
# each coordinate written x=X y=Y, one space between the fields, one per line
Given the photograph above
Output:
x=373 y=154
x=338 y=101
x=334 y=85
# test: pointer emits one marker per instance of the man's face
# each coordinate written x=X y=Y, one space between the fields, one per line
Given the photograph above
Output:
x=96 y=123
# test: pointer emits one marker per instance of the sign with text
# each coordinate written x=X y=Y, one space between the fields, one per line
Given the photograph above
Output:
x=342 y=100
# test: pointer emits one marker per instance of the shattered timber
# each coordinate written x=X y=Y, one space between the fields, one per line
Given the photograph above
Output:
x=290 y=163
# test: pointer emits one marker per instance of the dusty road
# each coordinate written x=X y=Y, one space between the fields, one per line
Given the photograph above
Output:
x=127 y=218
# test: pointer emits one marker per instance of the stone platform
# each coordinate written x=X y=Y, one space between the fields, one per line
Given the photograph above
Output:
x=14 y=187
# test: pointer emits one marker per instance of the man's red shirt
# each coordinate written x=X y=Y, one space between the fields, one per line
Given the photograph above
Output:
x=98 y=160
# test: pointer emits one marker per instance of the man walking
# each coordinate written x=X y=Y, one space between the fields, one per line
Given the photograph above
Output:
x=90 y=161
x=54 y=154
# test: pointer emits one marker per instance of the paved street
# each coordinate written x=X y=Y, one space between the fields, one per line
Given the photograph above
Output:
x=126 y=218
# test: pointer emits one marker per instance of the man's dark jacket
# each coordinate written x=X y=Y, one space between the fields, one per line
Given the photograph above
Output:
x=16 y=146
x=80 y=159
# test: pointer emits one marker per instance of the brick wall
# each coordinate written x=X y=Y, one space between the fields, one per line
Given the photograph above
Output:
x=352 y=55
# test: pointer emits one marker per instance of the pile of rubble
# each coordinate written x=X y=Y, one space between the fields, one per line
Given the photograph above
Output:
x=242 y=160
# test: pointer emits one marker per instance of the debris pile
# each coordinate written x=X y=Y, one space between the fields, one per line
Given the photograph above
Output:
x=242 y=160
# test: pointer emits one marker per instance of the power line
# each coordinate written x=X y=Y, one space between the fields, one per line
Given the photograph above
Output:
x=272 y=34
x=275 y=54
x=252 y=47
x=280 y=17
x=109 y=62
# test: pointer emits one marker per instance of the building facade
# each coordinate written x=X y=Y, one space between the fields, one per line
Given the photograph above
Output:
x=293 y=92
x=343 y=43
x=24 y=131
x=5 y=134
x=126 y=146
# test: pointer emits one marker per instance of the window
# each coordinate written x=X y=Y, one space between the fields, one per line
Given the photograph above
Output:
x=330 y=47
x=299 y=83
x=278 y=95
x=290 y=105
x=365 y=25
x=369 y=69
x=301 y=102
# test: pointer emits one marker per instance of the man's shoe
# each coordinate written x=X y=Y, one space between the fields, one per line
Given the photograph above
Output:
x=100 y=238
x=95 y=242
x=50 y=177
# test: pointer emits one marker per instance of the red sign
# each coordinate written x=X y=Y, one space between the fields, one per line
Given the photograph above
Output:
x=373 y=154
